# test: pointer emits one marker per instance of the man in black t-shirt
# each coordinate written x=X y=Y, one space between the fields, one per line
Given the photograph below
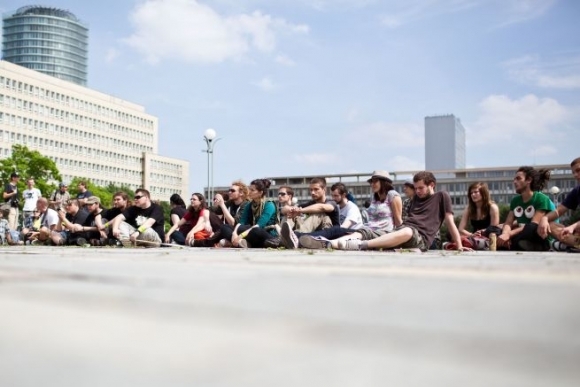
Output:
x=141 y=224
x=72 y=219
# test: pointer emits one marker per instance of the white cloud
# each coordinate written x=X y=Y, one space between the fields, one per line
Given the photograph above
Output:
x=517 y=11
x=266 y=84
x=193 y=32
x=526 y=119
x=560 y=72
x=402 y=12
x=544 y=150
x=285 y=61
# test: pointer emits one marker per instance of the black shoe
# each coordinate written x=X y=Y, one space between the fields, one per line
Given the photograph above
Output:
x=81 y=241
x=272 y=243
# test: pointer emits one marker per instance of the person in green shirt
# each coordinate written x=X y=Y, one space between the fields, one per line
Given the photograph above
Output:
x=520 y=230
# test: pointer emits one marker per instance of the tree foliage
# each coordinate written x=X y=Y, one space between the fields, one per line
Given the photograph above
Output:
x=28 y=163
x=104 y=193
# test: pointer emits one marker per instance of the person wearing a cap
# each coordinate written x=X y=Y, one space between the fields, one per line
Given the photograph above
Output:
x=11 y=197
x=59 y=197
x=94 y=222
x=428 y=211
x=72 y=219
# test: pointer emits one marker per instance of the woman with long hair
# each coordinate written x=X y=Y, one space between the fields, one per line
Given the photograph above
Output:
x=482 y=214
x=193 y=224
x=259 y=217
x=177 y=206
x=481 y=211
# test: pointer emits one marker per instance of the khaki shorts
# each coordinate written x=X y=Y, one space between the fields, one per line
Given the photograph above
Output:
x=367 y=234
x=416 y=241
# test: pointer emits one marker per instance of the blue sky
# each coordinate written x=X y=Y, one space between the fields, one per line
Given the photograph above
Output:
x=305 y=87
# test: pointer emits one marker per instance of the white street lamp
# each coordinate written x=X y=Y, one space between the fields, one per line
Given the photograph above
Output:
x=554 y=191
x=210 y=139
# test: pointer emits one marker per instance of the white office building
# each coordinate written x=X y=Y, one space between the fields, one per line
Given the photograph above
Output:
x=87 y=133
x=444 y=143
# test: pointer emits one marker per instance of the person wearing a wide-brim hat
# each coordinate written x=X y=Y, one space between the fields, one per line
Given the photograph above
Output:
x=428 y=211
x=384 y=214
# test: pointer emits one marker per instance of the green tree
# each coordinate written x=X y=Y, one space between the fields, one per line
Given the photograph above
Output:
x=104 y=193
x=28 y=163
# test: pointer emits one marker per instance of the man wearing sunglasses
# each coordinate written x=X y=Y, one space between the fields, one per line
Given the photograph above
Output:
x=141 y=224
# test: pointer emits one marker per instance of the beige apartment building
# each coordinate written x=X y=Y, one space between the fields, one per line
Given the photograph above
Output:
x=87 y=133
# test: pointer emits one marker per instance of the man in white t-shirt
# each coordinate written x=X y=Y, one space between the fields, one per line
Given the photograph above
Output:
x=350 y=216
x=49 y=222
x=30 y=196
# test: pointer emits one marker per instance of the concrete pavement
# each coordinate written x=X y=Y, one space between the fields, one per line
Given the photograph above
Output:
x=230 y=317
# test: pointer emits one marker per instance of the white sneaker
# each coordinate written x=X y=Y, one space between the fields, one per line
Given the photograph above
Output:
x=349 y=244
x=225 y=243
x=288 y=238
x=243 y=244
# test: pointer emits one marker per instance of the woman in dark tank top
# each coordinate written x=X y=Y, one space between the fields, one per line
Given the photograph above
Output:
x=480 y=213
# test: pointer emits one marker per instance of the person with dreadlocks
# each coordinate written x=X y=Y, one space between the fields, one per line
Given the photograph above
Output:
x=526 y=209
x=259 y=218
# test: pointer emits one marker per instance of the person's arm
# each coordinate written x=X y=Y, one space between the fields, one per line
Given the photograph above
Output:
x=455 y=236
x=494 y=215
x=208 y=227
x=506 y=231
x=219 y=201
x=569 y=230
x=463 y=223
x=544 y=225
x=397 y=210
x=175 y=226
x=199 y=225
x=8 y=195
x=174 y=219
x=269 y=211
x=115 y=224
x=317 y=208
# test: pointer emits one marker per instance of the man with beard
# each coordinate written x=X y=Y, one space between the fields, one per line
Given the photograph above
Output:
x=317 y=214
x=427 y=212
x=141 y=224
x=120 y=204
x=526 y=209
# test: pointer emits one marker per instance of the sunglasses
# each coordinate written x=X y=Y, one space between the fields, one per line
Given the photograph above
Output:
x=137 y=197
x=232 y=190
x=282 y=194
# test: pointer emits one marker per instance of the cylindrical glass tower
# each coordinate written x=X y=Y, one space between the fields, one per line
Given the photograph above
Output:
x=49 y=40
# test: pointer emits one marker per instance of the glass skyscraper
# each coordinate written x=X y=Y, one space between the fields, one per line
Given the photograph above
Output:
x=49 y=40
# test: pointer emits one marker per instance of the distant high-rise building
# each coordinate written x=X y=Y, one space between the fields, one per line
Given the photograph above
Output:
x=49 y=40
x=444 y=143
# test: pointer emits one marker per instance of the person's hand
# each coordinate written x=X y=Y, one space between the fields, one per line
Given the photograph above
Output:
x=568 y=230
x=218 y=199
x=133 y=236
x=167 y=238
x=189 y=239
x=116 y=233
x=464 y=248
x=543 y=228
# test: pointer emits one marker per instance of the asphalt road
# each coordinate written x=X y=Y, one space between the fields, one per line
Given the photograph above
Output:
x=229 y=317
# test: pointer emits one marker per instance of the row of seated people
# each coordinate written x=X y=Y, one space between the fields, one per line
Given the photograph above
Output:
x=246 y=218
x=249 y=219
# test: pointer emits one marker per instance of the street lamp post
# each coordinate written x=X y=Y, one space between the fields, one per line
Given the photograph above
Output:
x=555 y=191
x=210 y=139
